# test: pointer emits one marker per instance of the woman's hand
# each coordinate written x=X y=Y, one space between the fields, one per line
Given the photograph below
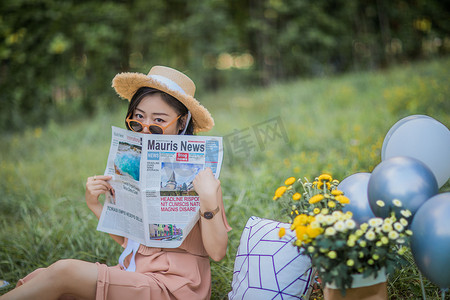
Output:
x=214 y=233
x=95 y=186
x=207 y=187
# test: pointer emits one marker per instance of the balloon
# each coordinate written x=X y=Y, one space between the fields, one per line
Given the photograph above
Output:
x=404 y=178
x=423 y=138
x=355 y=188
x=430 y=242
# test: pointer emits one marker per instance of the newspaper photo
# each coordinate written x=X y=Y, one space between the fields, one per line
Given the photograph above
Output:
x=153 y=200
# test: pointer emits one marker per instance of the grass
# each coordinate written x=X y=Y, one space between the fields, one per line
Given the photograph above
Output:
x=334 y=125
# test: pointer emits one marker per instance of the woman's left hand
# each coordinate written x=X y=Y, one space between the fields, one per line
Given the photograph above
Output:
x=214 y=233
x=207 y=186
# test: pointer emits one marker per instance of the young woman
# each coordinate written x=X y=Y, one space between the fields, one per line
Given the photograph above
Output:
x=161 y=102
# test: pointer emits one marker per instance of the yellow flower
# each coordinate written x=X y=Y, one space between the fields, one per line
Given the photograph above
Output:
x=330 y=231
x=351 y=243
x=301 y=219
x=330 y=219
x=406 y=213
x=337 y=192
x=342 y=199
x=363 y=243
x=375 y=256
x=399 y=227
x=314 y=223
x=374 y=222
x=331 y=204
x=387 y=227
x=350 y=262
x=316 y=198
x=321 y=183
x=380 y=203
x=384 y=240
x=370 y=261
x=404 y=222
x=370 y=235
x=332 y=254
x=339 y=226
x=313 y=232
x=282 y=232
x=350 y=224
x=320 y=218
x=393 y=235
x=296 y=196
x=359 y=232
x=397 y=202
x=325 y=177
x=290 y=181
x=324 y=211
x=316 y=210
x=280 y=191
x=300 y=232
x=310 y=249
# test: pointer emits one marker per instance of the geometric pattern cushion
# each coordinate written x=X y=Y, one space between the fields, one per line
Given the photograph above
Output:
x=267 y=267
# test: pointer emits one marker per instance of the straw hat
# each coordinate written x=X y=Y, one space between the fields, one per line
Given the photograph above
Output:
x=171 y=82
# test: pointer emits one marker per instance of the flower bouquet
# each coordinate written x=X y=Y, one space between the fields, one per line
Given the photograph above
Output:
x=341 y=249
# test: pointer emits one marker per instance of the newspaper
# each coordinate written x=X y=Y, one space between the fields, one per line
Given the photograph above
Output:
x=153 y=201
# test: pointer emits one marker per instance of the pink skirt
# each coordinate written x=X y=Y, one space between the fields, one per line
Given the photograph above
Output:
x=162 y=275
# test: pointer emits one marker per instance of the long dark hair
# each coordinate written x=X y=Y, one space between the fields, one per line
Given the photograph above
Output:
x=171 y=101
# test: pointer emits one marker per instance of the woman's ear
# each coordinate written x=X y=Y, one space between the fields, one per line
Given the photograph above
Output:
x=182 y=123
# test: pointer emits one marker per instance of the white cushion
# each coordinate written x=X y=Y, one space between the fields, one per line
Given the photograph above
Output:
x=267 y=267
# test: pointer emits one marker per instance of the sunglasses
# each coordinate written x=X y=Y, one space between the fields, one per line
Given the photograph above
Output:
x=137 y=126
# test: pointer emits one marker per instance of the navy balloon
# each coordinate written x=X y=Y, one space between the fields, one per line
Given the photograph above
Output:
x=430 y=242
x=404 y=178
x=355 y=188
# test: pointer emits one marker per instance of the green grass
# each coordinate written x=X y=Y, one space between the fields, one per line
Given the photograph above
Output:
x=334 y=125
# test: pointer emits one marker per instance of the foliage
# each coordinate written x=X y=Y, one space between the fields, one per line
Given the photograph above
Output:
x=57 y=58
x=341 y=119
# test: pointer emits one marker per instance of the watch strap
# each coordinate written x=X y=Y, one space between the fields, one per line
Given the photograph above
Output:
x=209 y=214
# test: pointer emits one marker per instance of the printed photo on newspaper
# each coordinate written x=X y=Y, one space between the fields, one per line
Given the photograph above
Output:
x=153 y=200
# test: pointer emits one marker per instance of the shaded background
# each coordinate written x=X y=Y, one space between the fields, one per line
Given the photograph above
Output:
x=57 y=58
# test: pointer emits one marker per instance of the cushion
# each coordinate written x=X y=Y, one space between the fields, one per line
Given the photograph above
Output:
x=267 y=267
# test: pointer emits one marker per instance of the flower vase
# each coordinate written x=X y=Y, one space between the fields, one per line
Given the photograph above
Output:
x=370 y=288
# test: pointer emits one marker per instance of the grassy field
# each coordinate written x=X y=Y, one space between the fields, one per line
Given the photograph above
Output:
x=301 y=128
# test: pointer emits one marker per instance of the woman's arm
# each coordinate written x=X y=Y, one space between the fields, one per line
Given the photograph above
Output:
x=95 y=186
x=214 y=233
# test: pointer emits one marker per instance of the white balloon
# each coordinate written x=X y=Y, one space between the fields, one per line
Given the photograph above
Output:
x=423 y=138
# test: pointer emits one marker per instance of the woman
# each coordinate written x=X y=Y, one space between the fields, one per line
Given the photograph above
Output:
x=161 y=102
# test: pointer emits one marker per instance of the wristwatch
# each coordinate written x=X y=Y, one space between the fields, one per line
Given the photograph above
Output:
x=209 y=214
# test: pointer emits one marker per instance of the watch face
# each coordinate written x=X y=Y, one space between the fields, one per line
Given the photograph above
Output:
x=208 y=215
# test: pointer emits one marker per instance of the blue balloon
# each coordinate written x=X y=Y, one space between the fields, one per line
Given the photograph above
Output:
x=423 y=138
x=430 y=242
x=403 y=178
x=355 y=188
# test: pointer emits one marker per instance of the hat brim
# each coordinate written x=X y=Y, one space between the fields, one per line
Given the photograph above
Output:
x=126 y=85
